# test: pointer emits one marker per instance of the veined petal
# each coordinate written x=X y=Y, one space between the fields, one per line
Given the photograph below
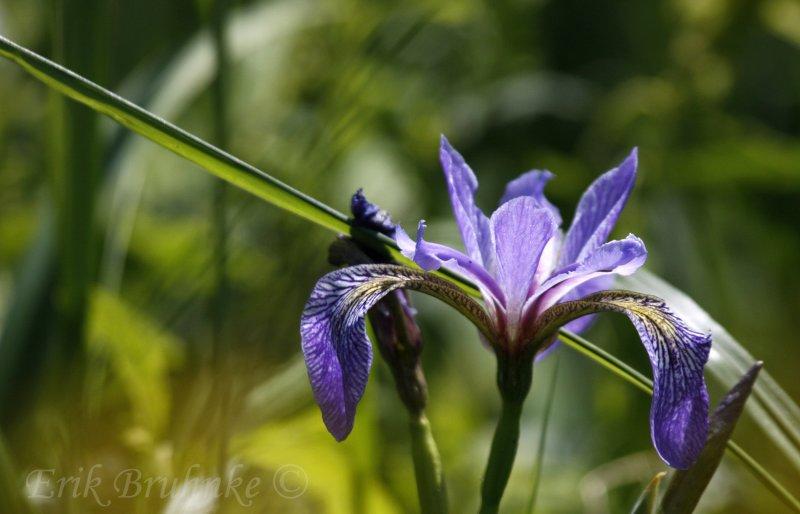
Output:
x=679 y=412
x=432 y=256
x=472 y=223
x=621 y=257
x=521 y=229
x=600 y=283
x=531 y=184
x=598 y=210
x=337 y=352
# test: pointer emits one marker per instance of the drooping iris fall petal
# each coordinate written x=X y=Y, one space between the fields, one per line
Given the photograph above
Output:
x=677 y=354
x=336 y=349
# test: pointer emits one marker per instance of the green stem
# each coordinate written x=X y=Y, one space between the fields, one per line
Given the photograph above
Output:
x=514 y=377
x=219 y=302
x=427 y=466
x=501 y=456
x=537 y=465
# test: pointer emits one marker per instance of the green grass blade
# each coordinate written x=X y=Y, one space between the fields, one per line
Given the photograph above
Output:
x=194 y=149
x=635 y=378
x=542 y=444
x=186 y=145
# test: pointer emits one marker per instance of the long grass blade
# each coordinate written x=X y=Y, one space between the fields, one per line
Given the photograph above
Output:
x=542 y=444
x=643 y=383
x=186 y=145
x=194 y=149
x=219 y=231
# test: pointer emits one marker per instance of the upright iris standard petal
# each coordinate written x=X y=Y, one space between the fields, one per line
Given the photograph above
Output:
x=531 y=184
x=472 y=222
x=679 y=412
x=337 y=352
x=598 y=210
x=521 y=229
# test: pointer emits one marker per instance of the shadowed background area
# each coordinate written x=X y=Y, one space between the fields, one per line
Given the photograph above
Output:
x=134 y=336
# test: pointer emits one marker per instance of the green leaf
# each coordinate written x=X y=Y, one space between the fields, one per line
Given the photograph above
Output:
x=687 y=486
x=648 y=500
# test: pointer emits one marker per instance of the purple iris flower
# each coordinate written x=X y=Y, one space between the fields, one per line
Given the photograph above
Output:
x=533 y=279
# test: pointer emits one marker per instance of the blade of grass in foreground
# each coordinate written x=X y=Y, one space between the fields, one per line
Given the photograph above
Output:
x=632 y=376
x=194 y=149
x=171 y=137
x=272 y=190
x=538 y=463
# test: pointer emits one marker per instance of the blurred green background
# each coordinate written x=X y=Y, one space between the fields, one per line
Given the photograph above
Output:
x=115 y=349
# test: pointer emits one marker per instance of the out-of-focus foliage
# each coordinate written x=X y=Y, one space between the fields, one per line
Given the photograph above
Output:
x=331 y=96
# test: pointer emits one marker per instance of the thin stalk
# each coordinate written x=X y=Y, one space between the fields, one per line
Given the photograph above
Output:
x=537 y=465
x=514 y=379
x=400 y=345
x=219 y=302
x=75 y=164
x=501 y=456
x=427 y=466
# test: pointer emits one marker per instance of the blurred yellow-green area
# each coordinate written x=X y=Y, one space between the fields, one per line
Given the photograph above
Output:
x=121 y=362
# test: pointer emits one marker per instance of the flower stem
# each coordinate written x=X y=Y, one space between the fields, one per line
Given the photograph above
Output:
x=514 y=377
x=427 y=466
x=501 y=456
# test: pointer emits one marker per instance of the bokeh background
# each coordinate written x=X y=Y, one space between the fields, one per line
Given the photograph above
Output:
x=116 y=349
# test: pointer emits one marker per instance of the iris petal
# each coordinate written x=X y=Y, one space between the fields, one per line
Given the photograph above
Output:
x=598 y=210
x=472 y=222
x=337 y=352
x=432 y=256
x=521 y=229
x=531 y=184
x=679 y=412
x=621 y=257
